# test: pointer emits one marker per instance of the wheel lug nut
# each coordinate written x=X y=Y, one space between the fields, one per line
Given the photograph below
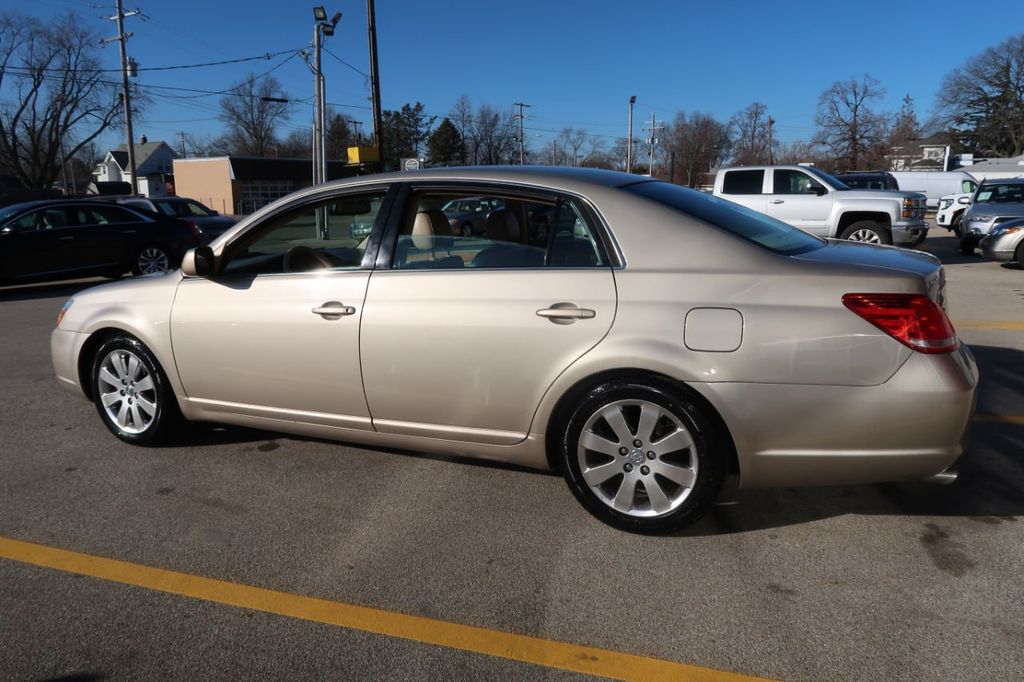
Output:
x=623 y=451
x=650 y=455
x=645 y=470
x=628 y=467
x=638 y=443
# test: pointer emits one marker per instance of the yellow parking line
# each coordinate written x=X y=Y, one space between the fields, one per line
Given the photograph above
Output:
x=1005 y=419
x=987 y=324
x=523 y=648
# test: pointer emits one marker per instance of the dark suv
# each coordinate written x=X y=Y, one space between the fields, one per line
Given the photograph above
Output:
x=868 y=180
x=210 y=223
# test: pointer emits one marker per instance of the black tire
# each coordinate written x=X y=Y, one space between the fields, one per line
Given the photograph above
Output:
x=854 y=231
x=467 y=229
x=1018 y=255
x=705 y=459
x=967 y=245
x=147 y=260
x=955 y=223
x=144 y=425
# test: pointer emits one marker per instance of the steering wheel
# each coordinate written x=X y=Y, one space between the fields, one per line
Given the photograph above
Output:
x=303 y=259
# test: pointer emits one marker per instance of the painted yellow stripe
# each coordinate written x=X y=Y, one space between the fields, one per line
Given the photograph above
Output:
x=523 y=648
x=987 y=324
x=1001 y=418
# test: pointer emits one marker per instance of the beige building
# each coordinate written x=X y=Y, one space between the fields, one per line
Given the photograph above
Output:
x=238 y=185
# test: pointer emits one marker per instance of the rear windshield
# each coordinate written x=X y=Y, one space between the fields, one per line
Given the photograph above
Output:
x=756 y=228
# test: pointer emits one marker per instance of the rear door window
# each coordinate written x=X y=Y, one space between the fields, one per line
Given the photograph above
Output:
x=743 y=182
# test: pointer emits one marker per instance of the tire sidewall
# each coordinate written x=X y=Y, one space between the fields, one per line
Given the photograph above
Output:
x=710 y=457
x=164 y=410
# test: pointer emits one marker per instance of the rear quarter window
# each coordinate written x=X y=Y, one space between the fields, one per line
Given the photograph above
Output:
x=743 y=182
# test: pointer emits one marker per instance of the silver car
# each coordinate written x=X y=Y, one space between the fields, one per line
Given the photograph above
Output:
x=646 y=341
x=994 y=202
x=1005 y=242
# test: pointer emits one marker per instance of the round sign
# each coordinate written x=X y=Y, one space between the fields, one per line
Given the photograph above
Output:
x=412 y=164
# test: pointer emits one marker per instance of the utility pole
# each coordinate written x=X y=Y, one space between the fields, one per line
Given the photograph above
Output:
x=521 y=116
x=126 y=100
x=182 y=134
x=771 y=152
x=321 y=28
x=629 y=141
x=378 y=123
x=652 y=140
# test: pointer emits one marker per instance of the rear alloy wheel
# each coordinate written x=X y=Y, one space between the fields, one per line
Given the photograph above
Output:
x=868 y=232
x=641 y=459
x=151 y=260
x=131 y=393
x=467 y=229
x=1018 y=255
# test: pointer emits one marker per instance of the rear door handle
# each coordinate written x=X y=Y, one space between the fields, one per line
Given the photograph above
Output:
x=566 y=311
x=127 y=231
x=778 y=201
x=333 y=310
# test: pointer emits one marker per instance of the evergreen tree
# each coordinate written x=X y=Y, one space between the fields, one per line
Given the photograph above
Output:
x=445 y=146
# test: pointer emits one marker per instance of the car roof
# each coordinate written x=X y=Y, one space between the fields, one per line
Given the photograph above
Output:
x=41 y=203
x=540 y=175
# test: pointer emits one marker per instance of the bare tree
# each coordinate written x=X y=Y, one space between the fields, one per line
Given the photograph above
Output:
x=847 y=126
x=571 y=142
x=252 y=111
x=698 y=141
x=983 y=100
x=798 y=151
x=59 y=101
x=494 y=136
x=461 y=117
x=749 y=131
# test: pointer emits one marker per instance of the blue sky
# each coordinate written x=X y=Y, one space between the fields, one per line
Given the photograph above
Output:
x=576 y=62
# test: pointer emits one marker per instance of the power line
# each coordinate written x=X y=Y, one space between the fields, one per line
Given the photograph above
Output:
x=266 y=56
x=364 y=75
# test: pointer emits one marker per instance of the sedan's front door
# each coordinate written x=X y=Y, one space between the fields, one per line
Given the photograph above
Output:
x=462 y=336
x=276 y=333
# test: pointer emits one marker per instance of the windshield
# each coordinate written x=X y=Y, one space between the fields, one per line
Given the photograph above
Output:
x=830 y=180
x=1001 y=193
x=757 y=228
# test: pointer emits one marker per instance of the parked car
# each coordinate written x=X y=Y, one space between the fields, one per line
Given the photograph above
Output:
x=62 y=239
x=210 y=223
x=811 y=199
x=868 y=180
x=933 y=184
x=469 y=216
x=993 y=203
x=1005 y=242
x=659 y=341
x=951 y=211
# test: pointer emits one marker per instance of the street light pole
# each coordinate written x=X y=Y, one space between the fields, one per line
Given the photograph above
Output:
x=126 y=95
x=317 y=105
x=629 y=141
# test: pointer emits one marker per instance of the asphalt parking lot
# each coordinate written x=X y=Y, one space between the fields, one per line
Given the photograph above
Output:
x=248 y=554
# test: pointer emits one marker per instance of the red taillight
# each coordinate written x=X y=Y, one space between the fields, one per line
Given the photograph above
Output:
x=914 y=320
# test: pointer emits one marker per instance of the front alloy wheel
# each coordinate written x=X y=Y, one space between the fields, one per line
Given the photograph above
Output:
x=641 y=459
x=131 y=392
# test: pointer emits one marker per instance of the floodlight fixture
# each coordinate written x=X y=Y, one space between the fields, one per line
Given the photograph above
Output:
x=319 y=13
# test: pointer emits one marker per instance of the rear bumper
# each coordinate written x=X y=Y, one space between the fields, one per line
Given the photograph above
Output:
x=909 y=428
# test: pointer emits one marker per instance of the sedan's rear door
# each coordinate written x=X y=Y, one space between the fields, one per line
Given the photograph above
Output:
x=462 y=336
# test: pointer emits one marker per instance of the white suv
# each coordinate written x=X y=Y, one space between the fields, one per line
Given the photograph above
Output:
x=951 y=211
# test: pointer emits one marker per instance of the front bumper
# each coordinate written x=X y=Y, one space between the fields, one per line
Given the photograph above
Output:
x=65 y=349
x=908 y=232
x=909 y=428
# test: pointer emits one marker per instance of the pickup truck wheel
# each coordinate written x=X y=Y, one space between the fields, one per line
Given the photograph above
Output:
x=868 y=232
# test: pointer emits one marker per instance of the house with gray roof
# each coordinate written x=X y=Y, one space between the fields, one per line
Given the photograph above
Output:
x=154 y=165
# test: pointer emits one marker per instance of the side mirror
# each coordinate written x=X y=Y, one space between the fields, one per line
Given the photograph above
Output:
x=198 y=262
x=964 y=200
x=819 y=191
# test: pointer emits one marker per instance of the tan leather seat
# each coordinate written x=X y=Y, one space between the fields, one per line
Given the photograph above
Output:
x=427 y=225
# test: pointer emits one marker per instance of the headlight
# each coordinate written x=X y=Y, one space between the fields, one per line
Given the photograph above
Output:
x=945 y=203
x=64 y=309
x=1003 y=231
x=981 y=219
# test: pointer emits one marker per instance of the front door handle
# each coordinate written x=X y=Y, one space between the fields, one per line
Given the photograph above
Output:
x=334 y=310
x=778 y=201
x=65 y=239
x=566 y=313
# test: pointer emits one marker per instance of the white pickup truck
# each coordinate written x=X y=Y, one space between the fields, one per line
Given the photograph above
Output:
x=811 y=199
